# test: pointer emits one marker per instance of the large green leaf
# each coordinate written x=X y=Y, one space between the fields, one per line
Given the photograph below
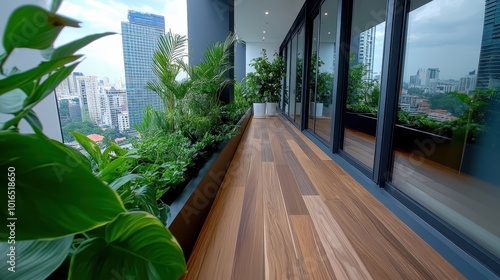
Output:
x=90 y=146
x=20 y=79
x=50 y=84
x=12 y=101
x=33 y=27
x=119 y=182
x=111 y=171
x=34 y=259
x=137 y=246
x=55 y=195
x=70 y=48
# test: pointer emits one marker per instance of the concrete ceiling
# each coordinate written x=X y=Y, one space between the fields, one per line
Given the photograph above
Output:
x=250 y=19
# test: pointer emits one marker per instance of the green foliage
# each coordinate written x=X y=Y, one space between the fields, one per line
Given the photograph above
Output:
x=265 y=83
x=85 y=127
x=57 y=195
x=145 y=249
x=448 y=101
x=322 y=82
x=39 y=258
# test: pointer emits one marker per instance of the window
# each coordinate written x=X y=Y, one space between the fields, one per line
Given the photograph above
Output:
x=363 y=89
x=446 y=149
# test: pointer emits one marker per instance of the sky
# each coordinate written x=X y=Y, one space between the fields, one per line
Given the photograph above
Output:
x=444 y=34
x=104 y=57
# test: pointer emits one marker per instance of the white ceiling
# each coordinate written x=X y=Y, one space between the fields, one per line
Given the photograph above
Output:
x=250 y=19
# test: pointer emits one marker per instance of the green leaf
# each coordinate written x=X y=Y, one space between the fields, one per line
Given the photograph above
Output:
x=50 y=84
x=55 y=195
x=165 y=214
x=145 y=198
x=137 y=246
x=55 y=5
x=90 y=146
x=114 y=148
x=35 y=123
x=12 y=101
x=110 y=171
x=35 y=259
x=33 y=27
x=70 y=48
x=118 y=182
x=20 y=79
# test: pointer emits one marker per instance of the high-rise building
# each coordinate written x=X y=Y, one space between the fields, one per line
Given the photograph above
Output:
x=488 y=74
x=468 y=82
x=139 y=38
x=116 y=104
x=90 y=98
x=363 y=46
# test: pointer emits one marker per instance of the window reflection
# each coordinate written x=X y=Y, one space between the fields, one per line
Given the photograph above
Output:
x=363 y=89
x=448 y=124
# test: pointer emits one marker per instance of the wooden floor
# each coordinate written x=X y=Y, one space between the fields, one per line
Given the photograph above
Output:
x=286 y=211
x=469 y=204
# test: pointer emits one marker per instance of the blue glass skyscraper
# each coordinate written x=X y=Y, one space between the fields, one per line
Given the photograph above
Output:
x=488 y=74
x=139 y=38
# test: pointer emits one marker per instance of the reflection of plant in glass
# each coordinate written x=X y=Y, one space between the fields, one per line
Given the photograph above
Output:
x=362 y=94
x=324 y=86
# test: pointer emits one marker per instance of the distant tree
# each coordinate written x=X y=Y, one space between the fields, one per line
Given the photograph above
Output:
x=448 y=101
x=85 y=127
x=415 y=91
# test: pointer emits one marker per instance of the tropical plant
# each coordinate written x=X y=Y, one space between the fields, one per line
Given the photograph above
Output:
x=192 y=104
x=54 y=195
x=265 y=83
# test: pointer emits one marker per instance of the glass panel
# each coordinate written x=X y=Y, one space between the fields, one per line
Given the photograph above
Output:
x=313 y=74
x=326 y=66
x=293 y=77
x=288 y=75
x=299 y=67
x=447 y=145
x=360 y=116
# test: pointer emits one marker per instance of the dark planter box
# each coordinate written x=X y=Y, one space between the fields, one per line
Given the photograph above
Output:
x=430 y=146
x=190 y=209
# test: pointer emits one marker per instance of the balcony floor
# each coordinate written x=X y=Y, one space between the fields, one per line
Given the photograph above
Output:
x=285 y=210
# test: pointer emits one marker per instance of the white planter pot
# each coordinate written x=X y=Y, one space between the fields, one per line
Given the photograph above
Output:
x=298 y=110
x=271 y=108
x=259 y=110
x=318 y=109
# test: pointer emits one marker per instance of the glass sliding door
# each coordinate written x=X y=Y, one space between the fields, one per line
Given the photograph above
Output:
x=313 y=75
x=447 y=136
x=325 y=69
x=292 y=77
x=363 y=90
x=299 y=66
x=286 y=87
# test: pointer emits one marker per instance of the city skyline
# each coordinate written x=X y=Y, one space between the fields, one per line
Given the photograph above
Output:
x=104 y=57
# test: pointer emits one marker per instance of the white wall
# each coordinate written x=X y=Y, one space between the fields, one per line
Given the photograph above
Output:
x=254 y=50
x=24 y=60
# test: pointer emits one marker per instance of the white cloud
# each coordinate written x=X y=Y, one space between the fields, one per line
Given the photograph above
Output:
x=104 y=57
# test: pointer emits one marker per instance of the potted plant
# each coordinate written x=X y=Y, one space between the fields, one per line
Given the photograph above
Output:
x=264 y=85
x=251 y=93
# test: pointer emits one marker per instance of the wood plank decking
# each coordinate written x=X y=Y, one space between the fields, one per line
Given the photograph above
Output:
x=286 y=211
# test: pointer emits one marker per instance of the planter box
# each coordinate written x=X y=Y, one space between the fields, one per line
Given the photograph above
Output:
x=190 y=209
x=431 y=146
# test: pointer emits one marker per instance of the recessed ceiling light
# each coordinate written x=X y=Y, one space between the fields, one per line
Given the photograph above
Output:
x=266 y=13
x=264 y=31
x=329 y=32
x=263 y=38
x=326 y=14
